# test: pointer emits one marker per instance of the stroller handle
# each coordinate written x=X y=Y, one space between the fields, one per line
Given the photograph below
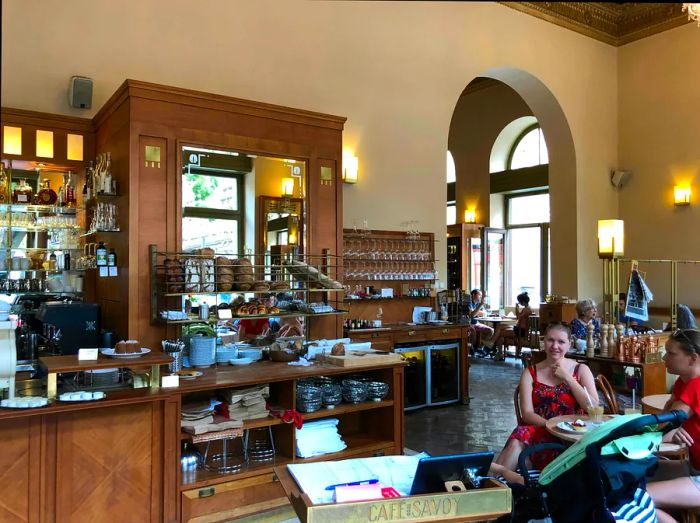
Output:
x=673 y=419
x=533 y=449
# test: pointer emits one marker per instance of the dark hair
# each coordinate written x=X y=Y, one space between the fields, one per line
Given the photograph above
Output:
x=475 y=291
x=558 y=325
x=622 y=296
x=524 y=298
x=688 y=339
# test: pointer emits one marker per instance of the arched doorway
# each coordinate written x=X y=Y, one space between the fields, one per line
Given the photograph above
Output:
x=474 y=129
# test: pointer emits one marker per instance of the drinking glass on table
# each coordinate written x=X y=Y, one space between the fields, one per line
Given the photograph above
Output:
x=595 y=413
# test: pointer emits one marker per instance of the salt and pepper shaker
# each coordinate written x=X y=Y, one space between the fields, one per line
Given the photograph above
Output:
x=604 y=340
x=590 y=344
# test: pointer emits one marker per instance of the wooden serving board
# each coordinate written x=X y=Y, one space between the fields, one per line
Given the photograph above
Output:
x=357 y=360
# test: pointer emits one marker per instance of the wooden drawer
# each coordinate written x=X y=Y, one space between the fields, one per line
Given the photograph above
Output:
x=234 y=499
x=379 y=340
x=444 y=333
x=410 y=336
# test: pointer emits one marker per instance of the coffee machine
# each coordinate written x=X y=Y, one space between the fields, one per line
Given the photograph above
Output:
x=66 y=327
x=8 y=357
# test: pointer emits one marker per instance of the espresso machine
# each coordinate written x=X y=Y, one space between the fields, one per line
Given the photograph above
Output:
x=67 y=327
x=8 y=357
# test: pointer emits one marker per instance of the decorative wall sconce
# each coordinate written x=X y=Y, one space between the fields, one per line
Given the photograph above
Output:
x=350 y=168
x=470 y=216
x=288 y=187
x=611 y=238
x=681 y=195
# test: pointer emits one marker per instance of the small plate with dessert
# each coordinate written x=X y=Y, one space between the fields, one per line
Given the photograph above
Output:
x=578 y=425
x=126 y=349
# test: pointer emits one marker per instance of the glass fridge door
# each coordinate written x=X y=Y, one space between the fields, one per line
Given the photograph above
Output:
x=415 y=377
x=443 y=373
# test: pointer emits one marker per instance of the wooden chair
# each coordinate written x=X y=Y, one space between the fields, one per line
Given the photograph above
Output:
x=516 y=404
x=603 y=385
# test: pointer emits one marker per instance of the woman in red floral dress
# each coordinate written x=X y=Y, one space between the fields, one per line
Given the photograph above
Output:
x=554 y=387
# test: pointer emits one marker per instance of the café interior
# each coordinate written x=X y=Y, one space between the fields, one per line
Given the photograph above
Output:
x=274 y=213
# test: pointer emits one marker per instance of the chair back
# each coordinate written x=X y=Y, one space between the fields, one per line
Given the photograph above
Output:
x=603 y=385
x=516 y=404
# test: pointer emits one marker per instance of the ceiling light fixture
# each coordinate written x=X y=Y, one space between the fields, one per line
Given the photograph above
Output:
x=693 y=11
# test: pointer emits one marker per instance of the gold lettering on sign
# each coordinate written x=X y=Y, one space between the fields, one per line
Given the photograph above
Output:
x=153 y=156
x=419 y=508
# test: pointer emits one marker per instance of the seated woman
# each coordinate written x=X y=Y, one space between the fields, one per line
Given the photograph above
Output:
x=522 y=326
x=554 y=387
x=676 y=484
x=586 y=310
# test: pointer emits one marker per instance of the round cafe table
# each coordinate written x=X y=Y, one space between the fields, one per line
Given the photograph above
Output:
x=654 y=403
x=565 y=435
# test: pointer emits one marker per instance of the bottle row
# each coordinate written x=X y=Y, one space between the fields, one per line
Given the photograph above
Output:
x=21 y=193
x=361 y=324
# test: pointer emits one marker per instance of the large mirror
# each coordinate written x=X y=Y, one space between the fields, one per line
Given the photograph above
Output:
x=241 y=203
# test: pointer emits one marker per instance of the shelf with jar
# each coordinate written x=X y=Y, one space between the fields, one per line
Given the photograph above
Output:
x=180 y=280
x=370 y=255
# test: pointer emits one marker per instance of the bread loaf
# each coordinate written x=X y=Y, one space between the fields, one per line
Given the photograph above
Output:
x=338 y=349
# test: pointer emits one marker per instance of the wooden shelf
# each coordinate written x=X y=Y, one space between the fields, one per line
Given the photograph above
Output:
x=269 y=291
x=254 y=316
x=204 y=478
x=249 y=424
x=357 y=444
x=345 y=408
x=58 y=364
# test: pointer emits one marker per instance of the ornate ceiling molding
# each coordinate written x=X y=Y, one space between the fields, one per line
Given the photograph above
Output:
x=610 y=22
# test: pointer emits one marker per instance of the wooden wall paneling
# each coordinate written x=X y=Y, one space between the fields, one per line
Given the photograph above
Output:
x=109 y=464
x=152 y=222
x=397 y=391
x=113 y=136
x=47 y=458
x=19 y=470
x=171 y=459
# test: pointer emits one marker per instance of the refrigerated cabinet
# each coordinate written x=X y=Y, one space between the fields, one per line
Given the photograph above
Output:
x=432 y=374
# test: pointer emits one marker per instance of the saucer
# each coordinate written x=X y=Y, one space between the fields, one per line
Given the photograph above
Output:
x=241 y=361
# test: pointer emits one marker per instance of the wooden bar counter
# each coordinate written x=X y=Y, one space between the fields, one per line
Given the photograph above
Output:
x=118 y=459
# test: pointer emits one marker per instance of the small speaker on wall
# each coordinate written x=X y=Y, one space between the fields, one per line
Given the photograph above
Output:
x=618 y=178
x=80 y=92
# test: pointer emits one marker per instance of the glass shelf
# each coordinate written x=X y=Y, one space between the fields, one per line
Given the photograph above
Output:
x=51 y=209
x=39 y=228
x=33 y=249
x=92 y=233
x=214 y=293
x=295 y=314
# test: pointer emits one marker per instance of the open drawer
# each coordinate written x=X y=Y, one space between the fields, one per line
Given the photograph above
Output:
x=233 y=499
x=489 y=502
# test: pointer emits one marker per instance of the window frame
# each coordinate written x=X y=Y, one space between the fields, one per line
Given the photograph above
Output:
x=516 y=142
x=220 y=214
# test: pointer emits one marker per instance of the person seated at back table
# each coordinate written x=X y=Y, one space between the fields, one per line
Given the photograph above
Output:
x=554 y=387
x=522 y=326
x=477 y=309
x=676 y=484
x=586 y=311
x=622 y=305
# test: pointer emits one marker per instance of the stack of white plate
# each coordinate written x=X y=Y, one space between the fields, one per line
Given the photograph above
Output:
x=101 y=377
x=202 y=351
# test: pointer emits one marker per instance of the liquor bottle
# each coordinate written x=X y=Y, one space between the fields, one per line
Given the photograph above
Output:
x=69 y=190
x=88 y=189
x=101 y=255
x=112 y=258
x=66 y=261
x=107 y=181
x=52 y=261
x=99 y=174
x=3 y=184
x=60 y=197
x=46 y=196
x=22 y=193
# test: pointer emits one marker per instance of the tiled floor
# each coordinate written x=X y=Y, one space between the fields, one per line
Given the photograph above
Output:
x=484 y=424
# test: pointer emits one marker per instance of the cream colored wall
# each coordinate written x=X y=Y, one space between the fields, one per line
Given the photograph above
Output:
x=659 y=142
x=395 y=69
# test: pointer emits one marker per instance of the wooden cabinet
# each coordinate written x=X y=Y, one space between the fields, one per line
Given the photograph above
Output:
x=369 y=428
x=20 y=470
x=550 y=312
x=380 y=340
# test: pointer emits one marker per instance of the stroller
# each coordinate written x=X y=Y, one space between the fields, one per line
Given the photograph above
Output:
x=599 y=479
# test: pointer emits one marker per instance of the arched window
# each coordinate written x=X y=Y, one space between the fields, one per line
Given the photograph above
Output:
x=529 y=149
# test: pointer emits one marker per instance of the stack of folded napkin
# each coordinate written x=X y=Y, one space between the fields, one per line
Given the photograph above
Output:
x=245 y=404
x=198 y=418
x=319 y=437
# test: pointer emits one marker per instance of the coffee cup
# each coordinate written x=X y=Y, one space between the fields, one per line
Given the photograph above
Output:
x=595 y=413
